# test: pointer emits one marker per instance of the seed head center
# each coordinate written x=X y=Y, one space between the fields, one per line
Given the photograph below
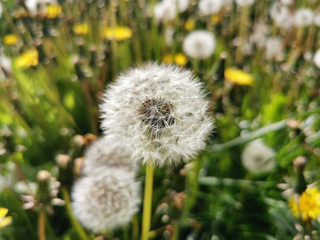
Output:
x=156 y=113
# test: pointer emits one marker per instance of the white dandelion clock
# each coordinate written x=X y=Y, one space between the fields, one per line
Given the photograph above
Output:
x=316 y=58
x=166 y=10
x=207 y=7
x=199 y=44
x=303 y=17
x=281 y=15
x=245 y=3
x=159 y=112
x=316 y=19
x=257 y=157
x=106 y=200
x=107 y=152
x=274 y=48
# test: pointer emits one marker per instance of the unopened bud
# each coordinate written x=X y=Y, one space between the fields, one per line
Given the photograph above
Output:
x=63 y=160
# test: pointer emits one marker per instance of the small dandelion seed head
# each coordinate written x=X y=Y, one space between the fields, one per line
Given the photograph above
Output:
x=106 y=200
x=199 y=44
x=257 y=157
x=303 y=17
x=159 y=112
x=207 y=7
x=107 y=152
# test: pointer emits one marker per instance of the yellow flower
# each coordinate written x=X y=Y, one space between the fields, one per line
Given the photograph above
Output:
x=10 y=39
x=307 y=206
x=81 y=29
x=118 y=33
x=180 y=59
x=53 y=11
x=27 y=59
x=238 y=76
x=4 y=221
x=189 y=24
x=215 y=18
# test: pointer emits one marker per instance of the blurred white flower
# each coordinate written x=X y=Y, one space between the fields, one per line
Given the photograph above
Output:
x=259 y=36
x=286 y=2
x=32 y=5
x=245 y=3
x=107 y=152
x=316 y=19
x=207 y=7
x=199 y=44
x=281 y=15
x=274 y=48
x=316 y=58
x=166 y=10
x=257 y=157
x=168 y=35
x=106 y=200
x=303 y=17
x=159 y=112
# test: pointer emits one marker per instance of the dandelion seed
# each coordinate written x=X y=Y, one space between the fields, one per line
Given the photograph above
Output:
x=316 y=58
x=106 y=200
x=257 y=157
x=306 y=206
x=159 y=112
x=199 y=44
x=303 y=17
x=10 y=39
x=208 y=7
x=108 y=152
x=237 y=76
x=4 y=221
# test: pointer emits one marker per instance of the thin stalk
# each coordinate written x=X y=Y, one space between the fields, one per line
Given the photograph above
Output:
x=81 y=233
x=114 y=44
x=147 y=202
x=42 y=224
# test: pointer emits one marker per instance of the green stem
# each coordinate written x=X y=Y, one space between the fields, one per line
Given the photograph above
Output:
x=42 y=224
x=147 y=202
x=73 y=220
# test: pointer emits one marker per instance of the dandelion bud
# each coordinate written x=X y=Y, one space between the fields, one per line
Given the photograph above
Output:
x=300 y=163
x=106 y=200
x=158 y=112
x=43 y=191
x=65 y=168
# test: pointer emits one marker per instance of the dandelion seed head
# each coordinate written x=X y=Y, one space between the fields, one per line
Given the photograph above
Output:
x=106 y=200
x=316 y=58
x=199 y=44
x=303 y=17
x=159 y=112
x=257 y=157
x=245 y=3
x=281 y=15
x=166 y=10
x=207 y=7
x=107 y=152
x=274 y=48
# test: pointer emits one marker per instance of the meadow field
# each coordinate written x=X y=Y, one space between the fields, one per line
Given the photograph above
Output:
x=159 y=119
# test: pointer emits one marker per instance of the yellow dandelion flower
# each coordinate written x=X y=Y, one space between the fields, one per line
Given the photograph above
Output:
x=190 y=24
x=27 y=59
x=238 y=76
x=180 y=59
x=215 y=18
x=118 y=33
x=10 y=39
x=167 y=59
x=4 y=221
x=307 y=206
x=81 y=29
x=53 y=11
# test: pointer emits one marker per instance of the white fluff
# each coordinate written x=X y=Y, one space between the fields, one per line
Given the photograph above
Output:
x=245 y=3
x=303 y=17
x=107 y=152
x=199 y=44
x=105 y=200
x=257 y=157
x=274 y=48
x=281 y=15
x=316 y=19
x=155 y=137
x=316 y=58
x=207 y=7
x=166 y=10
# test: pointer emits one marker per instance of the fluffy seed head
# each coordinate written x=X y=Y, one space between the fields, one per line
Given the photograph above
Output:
x=316 y=58
x=199 y=44
x=207 y=7
x=257 y=157
x=159 y=112
x=107 y=152
x=245 y=3
x=281 y=15
x=106 y=200
x=303 y=17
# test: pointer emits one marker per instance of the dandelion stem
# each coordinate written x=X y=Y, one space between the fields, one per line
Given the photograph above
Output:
x=147 y=202
x=41 y=224
x=73 y=220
